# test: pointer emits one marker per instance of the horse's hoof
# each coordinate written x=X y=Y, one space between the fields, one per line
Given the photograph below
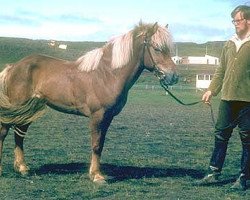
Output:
x=100 y=182
x=98 y=179
x=24 y=173
x=22 y=169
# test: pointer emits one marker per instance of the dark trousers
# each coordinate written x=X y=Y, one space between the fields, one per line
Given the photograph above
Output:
x=232 y=114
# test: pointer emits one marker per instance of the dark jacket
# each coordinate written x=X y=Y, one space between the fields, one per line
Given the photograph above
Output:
x=232 y=77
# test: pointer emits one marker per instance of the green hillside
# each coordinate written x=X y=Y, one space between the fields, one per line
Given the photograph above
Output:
x=193 y=49
x=13 y=49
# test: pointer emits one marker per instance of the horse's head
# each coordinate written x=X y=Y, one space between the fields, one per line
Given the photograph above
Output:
x=157 y=45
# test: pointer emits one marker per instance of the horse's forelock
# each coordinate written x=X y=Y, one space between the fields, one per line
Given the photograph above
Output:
x=163 y=39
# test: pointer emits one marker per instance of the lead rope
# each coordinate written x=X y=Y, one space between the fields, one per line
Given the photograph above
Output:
x=160 y=75
x=187 y=104
x=231 y=125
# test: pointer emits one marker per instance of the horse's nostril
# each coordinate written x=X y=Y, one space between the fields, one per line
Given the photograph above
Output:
x=176 y=78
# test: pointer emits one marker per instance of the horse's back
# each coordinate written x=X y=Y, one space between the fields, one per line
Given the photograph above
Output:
x=38 y=61
x=23 y=76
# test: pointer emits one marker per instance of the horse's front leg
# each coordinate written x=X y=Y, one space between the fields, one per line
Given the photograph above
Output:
x=19 y=161
x=3 y=133
x=98 y=126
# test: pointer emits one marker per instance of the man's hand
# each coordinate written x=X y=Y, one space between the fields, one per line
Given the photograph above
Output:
x=207 y=97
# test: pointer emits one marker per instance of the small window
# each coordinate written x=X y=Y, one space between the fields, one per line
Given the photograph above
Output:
x=200 y=77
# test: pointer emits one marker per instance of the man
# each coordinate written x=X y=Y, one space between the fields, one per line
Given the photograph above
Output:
x=232 y=78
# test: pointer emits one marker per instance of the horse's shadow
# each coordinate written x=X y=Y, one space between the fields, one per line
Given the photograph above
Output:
x=119 y=173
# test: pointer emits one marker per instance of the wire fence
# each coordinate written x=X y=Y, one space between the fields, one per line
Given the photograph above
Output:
x=158 y=87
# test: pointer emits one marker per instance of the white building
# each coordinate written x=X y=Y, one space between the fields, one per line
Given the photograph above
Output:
x=62 y=46
x=203 y=80
x=206 y=60
x=55 y=45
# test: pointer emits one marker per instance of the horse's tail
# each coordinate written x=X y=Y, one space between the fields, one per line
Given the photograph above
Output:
x=18 y=114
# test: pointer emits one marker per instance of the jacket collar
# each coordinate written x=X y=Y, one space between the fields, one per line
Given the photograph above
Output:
x=238 y=42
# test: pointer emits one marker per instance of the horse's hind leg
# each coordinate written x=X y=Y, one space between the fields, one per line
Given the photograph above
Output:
x=3 y=133
x=19 y=161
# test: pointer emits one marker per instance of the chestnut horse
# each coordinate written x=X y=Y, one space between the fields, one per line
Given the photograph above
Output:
x=96 y=85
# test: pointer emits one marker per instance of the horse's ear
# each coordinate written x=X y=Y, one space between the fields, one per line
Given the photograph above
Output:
x=153 y=29
x=140 y=22
x=166 y=26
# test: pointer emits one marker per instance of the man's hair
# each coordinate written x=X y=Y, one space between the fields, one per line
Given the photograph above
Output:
x=245 y=10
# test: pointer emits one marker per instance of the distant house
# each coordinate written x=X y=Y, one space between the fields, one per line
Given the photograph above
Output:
x=203 y=80
x=52 y=43
x=55 y=45
x=206 y=60
x=62 y=46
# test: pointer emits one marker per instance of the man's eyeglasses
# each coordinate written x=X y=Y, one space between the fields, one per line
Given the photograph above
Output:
x=237 y=21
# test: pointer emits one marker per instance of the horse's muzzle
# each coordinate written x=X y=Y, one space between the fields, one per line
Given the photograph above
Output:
x=170 y=79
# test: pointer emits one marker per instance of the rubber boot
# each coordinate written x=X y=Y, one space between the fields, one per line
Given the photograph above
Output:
x=216 y=163
x=219 y=154
x=241 y=182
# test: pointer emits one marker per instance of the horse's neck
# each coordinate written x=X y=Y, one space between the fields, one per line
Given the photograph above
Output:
x=131 y=72
x=128 y=75
x=134 y=76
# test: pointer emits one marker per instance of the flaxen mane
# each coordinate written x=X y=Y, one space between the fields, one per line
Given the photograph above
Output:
x=90 y=60
x=122 y=50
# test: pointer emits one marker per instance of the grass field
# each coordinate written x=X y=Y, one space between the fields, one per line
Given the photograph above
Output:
x=155 y=149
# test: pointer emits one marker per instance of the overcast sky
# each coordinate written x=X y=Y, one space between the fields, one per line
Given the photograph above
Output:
x=98 y=20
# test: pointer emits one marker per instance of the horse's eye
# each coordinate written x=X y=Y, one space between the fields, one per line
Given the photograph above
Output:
x=157 y=49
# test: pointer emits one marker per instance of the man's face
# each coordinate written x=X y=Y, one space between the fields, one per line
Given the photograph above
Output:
x=241 y=24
